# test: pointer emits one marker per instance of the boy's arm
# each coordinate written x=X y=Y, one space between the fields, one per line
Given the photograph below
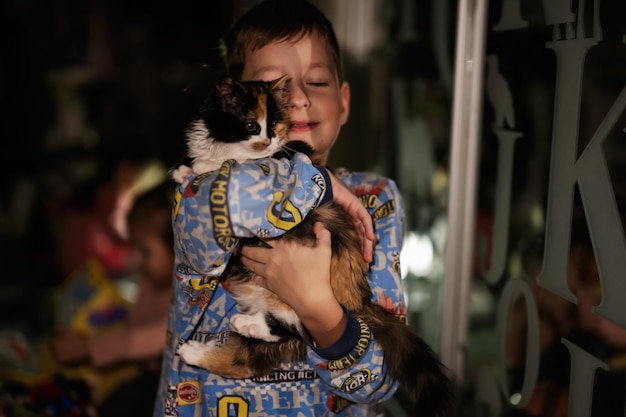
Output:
x=262 y=198
x=353 y=368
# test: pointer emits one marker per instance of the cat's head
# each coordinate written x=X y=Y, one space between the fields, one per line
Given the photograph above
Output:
x=241 y=120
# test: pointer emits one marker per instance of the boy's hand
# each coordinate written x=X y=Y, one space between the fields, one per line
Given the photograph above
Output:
x=300 y=276
x=362 y=219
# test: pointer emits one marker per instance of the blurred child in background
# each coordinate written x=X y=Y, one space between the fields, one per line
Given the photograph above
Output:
x=93 y=225
x=141 y=338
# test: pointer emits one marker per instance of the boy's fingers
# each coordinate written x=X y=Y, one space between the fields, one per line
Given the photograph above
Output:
x=252 y=265
x=365 y=228
x=362 y=219
x=255 y=252
x=322 y=234
x=366 y=222
x=367 y=247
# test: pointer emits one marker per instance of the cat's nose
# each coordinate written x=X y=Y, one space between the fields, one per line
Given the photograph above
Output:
x=261 y=145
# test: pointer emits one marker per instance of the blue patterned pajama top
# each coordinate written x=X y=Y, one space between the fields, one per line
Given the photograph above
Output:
x=264 y=198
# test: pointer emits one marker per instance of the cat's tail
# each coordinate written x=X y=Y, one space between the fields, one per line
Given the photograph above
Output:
x=412 y=362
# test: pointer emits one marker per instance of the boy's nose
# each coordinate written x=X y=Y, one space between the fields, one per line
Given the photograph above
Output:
x=297 y=96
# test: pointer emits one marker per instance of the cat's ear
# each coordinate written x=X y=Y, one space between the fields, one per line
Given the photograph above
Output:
x=227 y=93
x=224 y=86
x=282 y=82
x=280 y=89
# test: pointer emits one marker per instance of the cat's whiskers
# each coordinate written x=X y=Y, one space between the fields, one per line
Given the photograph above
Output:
x=286 y=147
x=291 y=147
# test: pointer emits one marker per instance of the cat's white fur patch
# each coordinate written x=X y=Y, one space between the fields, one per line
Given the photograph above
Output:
x=208 y=154
x=181 y=173
x=192 y=351
x=253 y=325
x=256 y=302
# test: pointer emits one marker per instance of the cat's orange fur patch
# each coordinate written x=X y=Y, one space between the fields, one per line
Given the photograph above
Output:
x=222 y=360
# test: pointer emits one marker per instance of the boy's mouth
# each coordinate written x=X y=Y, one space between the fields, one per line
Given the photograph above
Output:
x=302 y=126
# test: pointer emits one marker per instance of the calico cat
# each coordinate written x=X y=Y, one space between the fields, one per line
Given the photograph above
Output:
x=248 y=121
x=238 y=121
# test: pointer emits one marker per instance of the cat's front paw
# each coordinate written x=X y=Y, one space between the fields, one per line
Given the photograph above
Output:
x=253 y=326
x=192 y=351
x=181 y=173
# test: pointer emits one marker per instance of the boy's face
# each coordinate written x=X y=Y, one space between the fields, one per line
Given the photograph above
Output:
x=319 y=103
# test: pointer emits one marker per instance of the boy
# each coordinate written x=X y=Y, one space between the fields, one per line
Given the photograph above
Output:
x=276 y=38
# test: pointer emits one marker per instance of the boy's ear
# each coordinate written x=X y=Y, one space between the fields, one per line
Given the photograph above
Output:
x=344 y=97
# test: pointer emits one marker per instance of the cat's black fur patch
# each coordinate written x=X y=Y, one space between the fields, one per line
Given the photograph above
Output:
x=290 y=148
x=226 y=108
x=280 y=328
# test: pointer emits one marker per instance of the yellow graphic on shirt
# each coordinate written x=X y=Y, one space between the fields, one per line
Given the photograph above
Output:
x=220 y=212
x=228 y=404
x=178 y=195
x=188 y=392
x=383 y=211
x=283 y=216
x=369 y=201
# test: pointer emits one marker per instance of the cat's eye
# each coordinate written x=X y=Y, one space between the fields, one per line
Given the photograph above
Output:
x=253 y=127
x=273 y=123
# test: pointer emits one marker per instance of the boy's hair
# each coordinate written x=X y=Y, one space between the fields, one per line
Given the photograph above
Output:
x=276 y=20
x=153 y=208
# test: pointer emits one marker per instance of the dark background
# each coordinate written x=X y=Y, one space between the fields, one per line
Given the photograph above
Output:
x=84 y=85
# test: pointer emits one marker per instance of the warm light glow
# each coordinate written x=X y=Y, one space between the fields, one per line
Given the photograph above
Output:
x=417 y=255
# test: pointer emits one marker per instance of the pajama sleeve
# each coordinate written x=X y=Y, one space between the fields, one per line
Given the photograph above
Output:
x=262 y=198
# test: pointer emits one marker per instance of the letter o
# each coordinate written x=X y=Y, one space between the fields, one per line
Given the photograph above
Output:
x=514 y=288
x=239 y=404
x=218 y=198
x=220 y=221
